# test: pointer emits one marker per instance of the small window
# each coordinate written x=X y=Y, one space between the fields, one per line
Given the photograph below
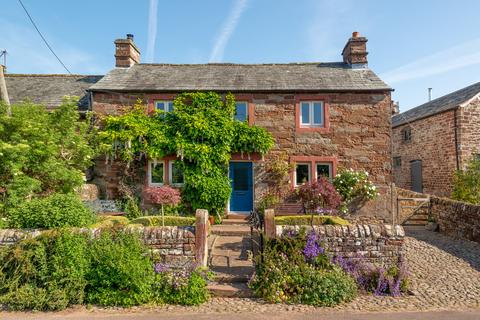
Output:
x=324 y=169
x=175 y=174
x=397 y=162
x=241 y=111
x=155 y=173
x=407 y=134
x=311 y=114
x=302 y=173
x=166 y=106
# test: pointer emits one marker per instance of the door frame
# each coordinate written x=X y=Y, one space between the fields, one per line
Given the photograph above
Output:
x=253 y=188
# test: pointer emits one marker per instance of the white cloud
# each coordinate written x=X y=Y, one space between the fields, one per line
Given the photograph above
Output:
x=460 y=56
x=28 y=54
x=229 y=26
x=152 y=30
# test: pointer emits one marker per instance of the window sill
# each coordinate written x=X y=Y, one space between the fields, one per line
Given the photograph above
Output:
x=313 y=129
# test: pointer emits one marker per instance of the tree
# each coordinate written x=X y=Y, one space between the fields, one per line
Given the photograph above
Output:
x=466 y=186
x=201 y=131
x=41 y=152
x=164 y=195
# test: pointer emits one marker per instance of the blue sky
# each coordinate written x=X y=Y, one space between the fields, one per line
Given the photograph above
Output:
x=413 y=44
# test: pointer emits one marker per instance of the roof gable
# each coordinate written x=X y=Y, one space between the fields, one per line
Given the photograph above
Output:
x=442 y=104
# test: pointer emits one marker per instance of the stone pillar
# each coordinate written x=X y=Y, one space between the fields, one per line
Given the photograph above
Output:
x=270 y=230
x=201 y=237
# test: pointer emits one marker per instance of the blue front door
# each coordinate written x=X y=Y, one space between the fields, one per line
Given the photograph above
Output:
x=242 y=186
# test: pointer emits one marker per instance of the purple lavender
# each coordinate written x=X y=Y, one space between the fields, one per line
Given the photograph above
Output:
x=160 y=267
x=312 y=248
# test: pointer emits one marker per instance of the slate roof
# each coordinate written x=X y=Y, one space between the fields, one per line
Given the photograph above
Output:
x=444 y=103
x=49 y=89
x=241 y=77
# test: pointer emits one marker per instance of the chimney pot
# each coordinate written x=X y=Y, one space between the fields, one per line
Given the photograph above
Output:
x=126 y=52
x=355 y=51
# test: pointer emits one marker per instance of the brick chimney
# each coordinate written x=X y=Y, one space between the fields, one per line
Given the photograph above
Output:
x=355 y=51
x=126 y=52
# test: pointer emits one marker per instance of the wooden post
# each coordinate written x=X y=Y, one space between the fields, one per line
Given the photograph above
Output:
x=201 y=237
x=3 y=91
x=270 y=229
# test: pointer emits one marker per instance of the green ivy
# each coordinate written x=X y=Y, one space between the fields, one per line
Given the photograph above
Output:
x=201 y=131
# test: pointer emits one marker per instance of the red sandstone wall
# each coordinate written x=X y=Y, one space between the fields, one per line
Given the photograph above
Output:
x=433 y=142
x=468 y=119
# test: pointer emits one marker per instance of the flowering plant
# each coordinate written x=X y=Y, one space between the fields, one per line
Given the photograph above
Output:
x=354 y=187
x=319 y=196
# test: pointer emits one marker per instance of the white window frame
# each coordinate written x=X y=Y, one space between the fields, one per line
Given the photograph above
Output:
x=309 y=165
x=246 y=103
x=150 y=163
x=330 y=169
x=170 y=175
x=165 y=102
x=311 y=124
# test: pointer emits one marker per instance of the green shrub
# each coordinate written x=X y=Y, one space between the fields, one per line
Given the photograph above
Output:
x=180 y=286
x=44 y=273
x=110 y=221
x=466 y=185
x=54 y=211
x=155 y=221
x=306 y=220
x=121 y=273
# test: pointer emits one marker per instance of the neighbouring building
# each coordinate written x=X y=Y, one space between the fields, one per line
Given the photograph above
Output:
x=50 y=89
x=433 y=140
x=324 y=116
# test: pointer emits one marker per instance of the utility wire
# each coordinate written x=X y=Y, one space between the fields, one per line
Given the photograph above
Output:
x=43 y=38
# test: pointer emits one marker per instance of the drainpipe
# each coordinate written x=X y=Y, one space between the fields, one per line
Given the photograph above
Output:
x=3 y=91
x=457 y=159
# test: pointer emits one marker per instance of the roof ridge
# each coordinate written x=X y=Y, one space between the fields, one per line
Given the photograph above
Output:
x=59 y=75
x=242 y=64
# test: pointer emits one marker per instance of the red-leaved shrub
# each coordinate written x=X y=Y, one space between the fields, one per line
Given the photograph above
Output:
x=319 y=195
x=164 y=195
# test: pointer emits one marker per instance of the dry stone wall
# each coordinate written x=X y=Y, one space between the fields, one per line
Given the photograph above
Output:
x=380 y=244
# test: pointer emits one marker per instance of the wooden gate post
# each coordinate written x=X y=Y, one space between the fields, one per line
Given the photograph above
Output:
x=270 y=229
x=201 y=237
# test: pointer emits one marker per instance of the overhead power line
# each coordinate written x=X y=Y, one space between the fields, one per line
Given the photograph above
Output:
x=43 y=38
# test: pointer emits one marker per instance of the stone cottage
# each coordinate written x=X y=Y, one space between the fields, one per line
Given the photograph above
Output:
x=436 y=138
x=323 y=116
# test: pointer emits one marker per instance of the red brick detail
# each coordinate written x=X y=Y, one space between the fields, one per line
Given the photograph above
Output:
x=246 y=157
x=312 y=160
x=251 y=107
x=151 y=98
x=326 y=113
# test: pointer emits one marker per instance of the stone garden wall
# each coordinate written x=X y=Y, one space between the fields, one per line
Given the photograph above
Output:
x=380 y=244
x=454 y=218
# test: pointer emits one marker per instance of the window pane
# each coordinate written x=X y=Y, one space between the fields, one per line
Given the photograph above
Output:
x=177 y=174
x=157 y=172
x=240 y=179
x=323 y=170
x=160 y=106
x=302 y=173
x=317 y=113
x=170 y=106
x=305 y=112
x=241 y=111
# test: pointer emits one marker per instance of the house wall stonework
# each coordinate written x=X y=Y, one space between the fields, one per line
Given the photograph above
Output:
x=358 y=136
x=468 y=119
x=433 y=142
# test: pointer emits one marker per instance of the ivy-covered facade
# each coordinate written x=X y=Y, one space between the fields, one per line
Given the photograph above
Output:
x=321 y=116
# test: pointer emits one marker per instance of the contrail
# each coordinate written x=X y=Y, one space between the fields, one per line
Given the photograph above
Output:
x=152 y=29
x=460 y=56
x=230 y=24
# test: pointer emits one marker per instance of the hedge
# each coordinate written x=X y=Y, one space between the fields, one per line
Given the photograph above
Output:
x=307 y=220
x=156 y=221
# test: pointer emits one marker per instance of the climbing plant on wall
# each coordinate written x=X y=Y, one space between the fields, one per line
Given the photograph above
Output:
x=201 y=131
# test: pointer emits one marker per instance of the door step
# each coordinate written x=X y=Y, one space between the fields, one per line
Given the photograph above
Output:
x=235 y=221
x=231 y=230
x=231 y=290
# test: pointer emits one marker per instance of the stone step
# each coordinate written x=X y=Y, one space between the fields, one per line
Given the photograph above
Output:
x=415 y=223
x=231 y=230
x=224 y=278
x=234 y=222
x=229 y=261
x=233 y=290
x=419 y=217
x=237 y=216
